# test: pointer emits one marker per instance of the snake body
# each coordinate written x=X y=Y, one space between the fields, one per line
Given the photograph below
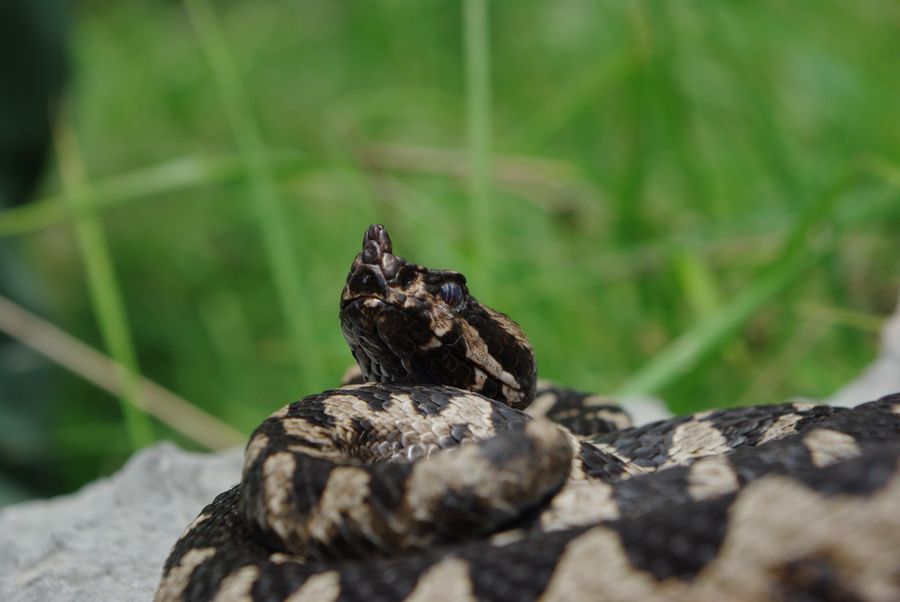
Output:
x=448 y=472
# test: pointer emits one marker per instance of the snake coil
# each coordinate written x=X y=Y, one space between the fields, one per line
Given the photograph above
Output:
x=448 y=472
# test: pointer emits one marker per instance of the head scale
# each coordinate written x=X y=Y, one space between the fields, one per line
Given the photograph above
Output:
x=408 y=323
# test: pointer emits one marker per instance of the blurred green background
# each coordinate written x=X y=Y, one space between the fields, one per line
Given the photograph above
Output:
x=695 y=200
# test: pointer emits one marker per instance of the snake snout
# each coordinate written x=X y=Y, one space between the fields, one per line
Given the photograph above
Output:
x=375 y=243
x=377 y=252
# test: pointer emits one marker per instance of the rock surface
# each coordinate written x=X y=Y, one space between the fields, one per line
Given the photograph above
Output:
x=109 y=540
x=882 y=376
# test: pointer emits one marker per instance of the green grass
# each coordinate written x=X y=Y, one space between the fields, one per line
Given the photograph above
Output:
x=286 y=272
x=708 y=210
x=103 y=286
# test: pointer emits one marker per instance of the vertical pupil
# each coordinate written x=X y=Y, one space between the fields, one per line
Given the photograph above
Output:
x=451 y=293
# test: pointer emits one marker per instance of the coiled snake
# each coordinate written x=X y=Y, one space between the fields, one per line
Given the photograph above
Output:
x=430 y=481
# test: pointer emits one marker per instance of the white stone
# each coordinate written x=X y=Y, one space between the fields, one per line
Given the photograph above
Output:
x=882 y=376
x=108 y=541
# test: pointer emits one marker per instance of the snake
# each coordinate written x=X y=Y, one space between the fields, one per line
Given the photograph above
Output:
x=443 y=469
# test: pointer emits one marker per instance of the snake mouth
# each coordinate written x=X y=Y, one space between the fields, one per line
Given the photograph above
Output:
x=364 y=307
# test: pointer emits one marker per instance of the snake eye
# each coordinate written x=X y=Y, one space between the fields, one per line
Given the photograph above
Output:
x=451 y=293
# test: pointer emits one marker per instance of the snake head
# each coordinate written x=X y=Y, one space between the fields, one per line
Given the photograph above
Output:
x=408 y=323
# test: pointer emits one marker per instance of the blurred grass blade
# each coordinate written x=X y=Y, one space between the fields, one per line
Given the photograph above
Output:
x=523 y=174
x=697 y=283
x=106 y=373
x=847 y=318
x=106 y=298
x=171 y=176
x=273 y=220
x=478 y=118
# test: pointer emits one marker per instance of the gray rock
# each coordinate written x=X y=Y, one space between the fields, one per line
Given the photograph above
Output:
x=646 y=408
x=882 y=376
x=109 y=540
